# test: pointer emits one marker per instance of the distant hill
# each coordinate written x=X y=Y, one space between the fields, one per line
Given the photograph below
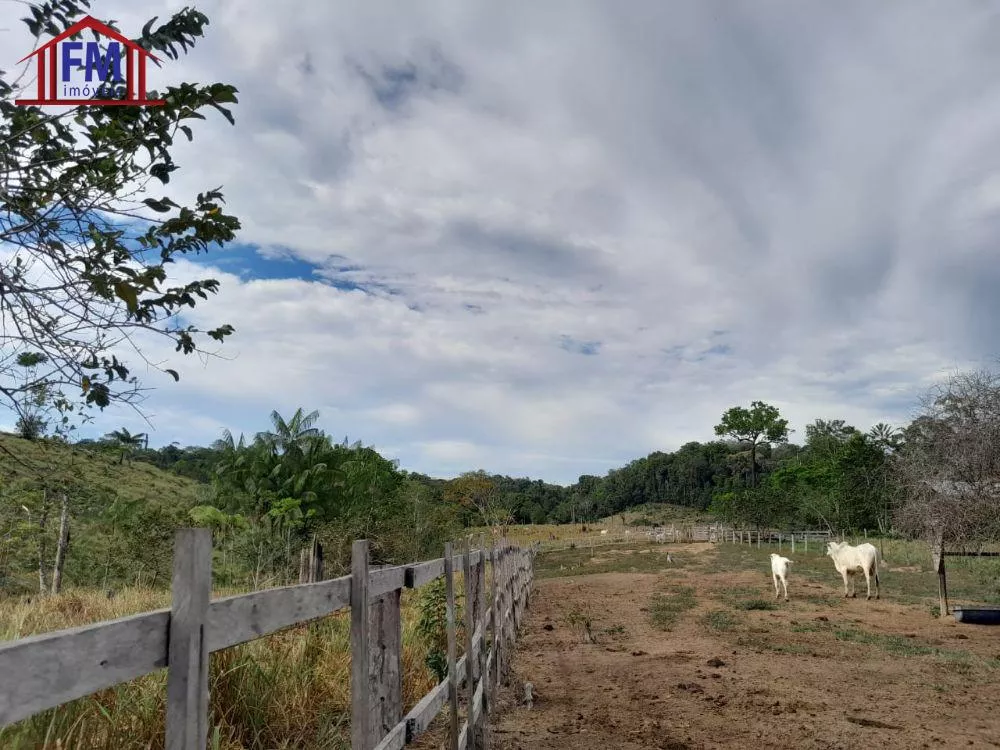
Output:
x=651 y=514
x=122 y=514
x=101 y=470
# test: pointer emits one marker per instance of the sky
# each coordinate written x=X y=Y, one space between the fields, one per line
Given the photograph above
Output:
x=544 y=239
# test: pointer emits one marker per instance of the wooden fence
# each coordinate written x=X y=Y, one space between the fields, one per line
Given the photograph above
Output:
x=44 y=671
x=690 y=533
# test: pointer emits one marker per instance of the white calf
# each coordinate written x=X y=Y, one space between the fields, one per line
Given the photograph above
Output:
x=848 y=559
x=779 y=572
x=604 y=532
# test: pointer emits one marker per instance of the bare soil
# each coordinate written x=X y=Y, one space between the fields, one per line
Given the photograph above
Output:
x=815 y=672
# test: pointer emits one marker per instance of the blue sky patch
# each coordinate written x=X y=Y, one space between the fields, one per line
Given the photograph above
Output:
x=570 y=344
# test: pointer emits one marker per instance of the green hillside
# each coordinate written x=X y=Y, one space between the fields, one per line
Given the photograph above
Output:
x=100 y=470
x=121 y=514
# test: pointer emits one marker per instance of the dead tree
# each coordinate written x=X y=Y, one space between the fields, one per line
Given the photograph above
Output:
x=949 y=467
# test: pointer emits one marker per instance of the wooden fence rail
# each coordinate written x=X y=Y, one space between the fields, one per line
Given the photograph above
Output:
x=44 y=671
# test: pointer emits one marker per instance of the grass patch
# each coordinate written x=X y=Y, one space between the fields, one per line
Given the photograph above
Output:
x=666 y=607
x=721 y=621
x=755 y=604
x=892 y=644
x=642 y=558
x=897 y=645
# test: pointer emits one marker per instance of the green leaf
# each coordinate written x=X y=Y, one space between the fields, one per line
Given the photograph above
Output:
x=127 y=293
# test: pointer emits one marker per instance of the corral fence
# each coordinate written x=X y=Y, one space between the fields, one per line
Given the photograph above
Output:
x=44 y=671
x=718 y=533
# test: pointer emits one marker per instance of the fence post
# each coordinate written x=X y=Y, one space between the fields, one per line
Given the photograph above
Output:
x=304 y=565
x=449 y=584
x=187 y=672
x=939 y=568
x=484 y=673
x=471 y=662
x=361 y=714
x=495 y=604
x=385 y=673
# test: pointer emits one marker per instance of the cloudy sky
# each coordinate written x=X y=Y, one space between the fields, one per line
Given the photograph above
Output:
x=547 y=238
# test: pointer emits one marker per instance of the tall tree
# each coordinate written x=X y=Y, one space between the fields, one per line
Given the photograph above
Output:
x=86 y=273
x=761 y=423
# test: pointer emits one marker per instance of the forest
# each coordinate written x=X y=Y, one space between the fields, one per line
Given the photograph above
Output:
x=102 y=512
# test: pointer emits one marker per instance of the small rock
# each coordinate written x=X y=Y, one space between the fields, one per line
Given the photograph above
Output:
x=716 y=662
x=715 y=675
x=640 y=652
x=823 y=618
x=962 y=636
x=548 y=627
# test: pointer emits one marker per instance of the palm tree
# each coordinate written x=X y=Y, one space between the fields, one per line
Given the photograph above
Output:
x=289 y=435
x=886 y=436
x=127 y=442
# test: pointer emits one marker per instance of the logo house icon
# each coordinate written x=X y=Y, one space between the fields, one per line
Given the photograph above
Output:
x=60 y=56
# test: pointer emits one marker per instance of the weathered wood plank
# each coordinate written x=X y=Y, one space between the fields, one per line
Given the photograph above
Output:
x=43 y=671
x=426 y=710
x=477 y=704
x=361 y=715
x=425 y=572
x=237 y=619
x=449 y=578
x=187 y=658
x=395 y=739
x=470 y=581
x=463 y=737
x=385 y=674
x=384 y=580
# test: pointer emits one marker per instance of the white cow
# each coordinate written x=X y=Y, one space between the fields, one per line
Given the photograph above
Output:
x=779 y=572
x=604 y=532
x=848 y=559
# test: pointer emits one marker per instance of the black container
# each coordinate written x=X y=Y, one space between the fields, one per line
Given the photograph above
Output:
x=977 y=615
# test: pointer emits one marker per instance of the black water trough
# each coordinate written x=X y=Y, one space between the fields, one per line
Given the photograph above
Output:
x=977 y=615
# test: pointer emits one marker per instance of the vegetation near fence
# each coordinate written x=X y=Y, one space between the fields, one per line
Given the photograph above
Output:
x=40 y=672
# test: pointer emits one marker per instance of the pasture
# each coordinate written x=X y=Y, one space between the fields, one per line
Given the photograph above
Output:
x=628 y=650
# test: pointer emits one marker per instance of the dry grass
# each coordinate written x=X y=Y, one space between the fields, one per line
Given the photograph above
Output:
x=288 y=690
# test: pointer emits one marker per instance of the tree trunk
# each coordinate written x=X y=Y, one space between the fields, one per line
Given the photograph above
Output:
x=753 y=464
x=42 y=521
x=62 y=547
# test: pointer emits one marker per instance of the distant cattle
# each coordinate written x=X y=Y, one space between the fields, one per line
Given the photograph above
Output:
x=779 y=572
x=604 y=532
x=848 y=560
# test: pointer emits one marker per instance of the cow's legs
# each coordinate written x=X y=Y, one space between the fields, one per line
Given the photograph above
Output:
x=847 y=591
x=784 y=583
x=868 y=582
x=774 y=578
x=876 y=580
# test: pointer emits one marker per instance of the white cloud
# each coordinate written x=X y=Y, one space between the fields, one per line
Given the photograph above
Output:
x=532 y=182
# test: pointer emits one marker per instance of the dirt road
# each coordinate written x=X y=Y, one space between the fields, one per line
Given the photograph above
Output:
x=817 y=672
